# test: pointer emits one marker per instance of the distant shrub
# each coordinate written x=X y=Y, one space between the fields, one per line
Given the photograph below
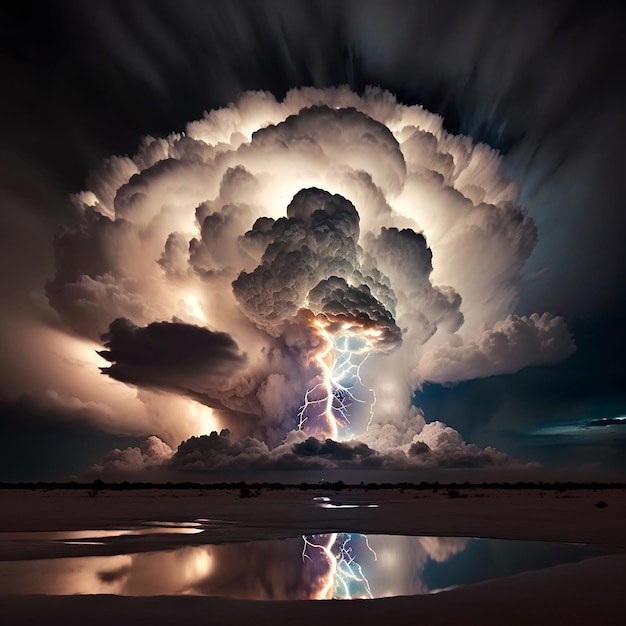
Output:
x=453 y=493
x=601 y=504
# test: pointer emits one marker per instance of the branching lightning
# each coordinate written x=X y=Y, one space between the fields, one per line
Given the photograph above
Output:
x=340 y=359
x=345 y=580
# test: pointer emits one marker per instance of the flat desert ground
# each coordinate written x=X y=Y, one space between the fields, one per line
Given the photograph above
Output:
x=589 y=592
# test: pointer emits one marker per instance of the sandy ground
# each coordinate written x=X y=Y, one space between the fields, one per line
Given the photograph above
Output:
x=589 y=592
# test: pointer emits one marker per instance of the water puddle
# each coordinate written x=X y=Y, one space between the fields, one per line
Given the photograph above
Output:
x=88 y=537
x=324 y=566
x=330 y=505
x=324 y=502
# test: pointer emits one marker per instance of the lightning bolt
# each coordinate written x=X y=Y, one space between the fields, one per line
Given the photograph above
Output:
x=340 y=359
x=345 y=572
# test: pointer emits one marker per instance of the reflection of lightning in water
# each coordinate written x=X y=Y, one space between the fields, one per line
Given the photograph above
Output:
x=326 y=592
x=340 y=360
x=345 y=580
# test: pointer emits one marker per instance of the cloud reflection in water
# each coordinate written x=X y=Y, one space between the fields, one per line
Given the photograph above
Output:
x=323 y=566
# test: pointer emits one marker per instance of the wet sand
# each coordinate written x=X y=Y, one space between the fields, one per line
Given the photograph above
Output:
x=589 y=592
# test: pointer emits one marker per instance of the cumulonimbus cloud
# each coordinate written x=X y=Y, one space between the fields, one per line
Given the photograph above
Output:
x=219 y=452
x=206 y=258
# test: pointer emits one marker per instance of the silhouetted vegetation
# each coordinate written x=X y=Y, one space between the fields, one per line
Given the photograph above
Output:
x=601 y=504
x=98 y=486
x=246 y=492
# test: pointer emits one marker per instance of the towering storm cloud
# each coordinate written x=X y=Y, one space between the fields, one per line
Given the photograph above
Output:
x=312 y=261
x=300 y=269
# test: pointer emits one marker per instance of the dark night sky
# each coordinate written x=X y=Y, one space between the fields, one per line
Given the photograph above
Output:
x=542 y=83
